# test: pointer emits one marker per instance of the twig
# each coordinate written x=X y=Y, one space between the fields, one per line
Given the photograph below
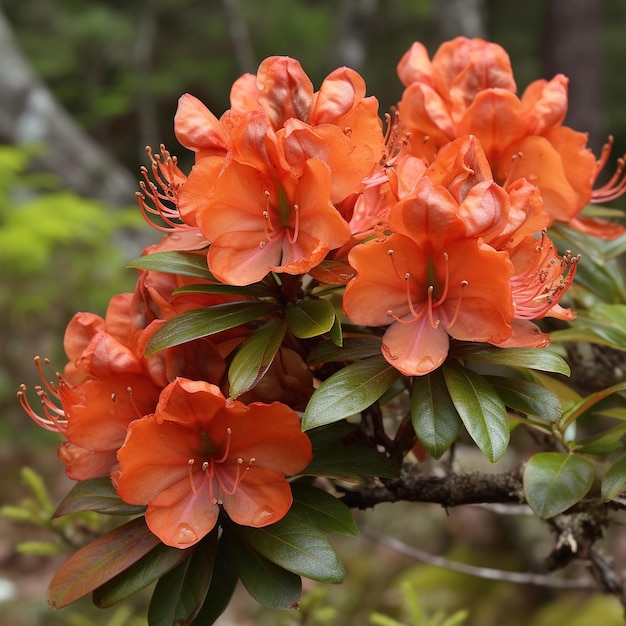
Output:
x=521 y=578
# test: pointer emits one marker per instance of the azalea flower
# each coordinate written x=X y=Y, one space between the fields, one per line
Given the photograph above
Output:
x=469 y=87
x=199 y=452
x=428 y=281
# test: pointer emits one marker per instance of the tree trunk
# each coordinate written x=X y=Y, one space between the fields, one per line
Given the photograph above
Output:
x=460 y=17
x=572 y=47
x=29 y=114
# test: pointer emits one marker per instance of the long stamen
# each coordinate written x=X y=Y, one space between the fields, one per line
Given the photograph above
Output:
x=464 y=283
x=616 y=186
x=434 y=323
x=132 y=402
x=229 y=433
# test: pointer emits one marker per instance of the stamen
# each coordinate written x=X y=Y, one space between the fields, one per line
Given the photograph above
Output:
x=132 y=402
x=229 y=432
x=446 y=281
x=434 y=323
x=464 y=283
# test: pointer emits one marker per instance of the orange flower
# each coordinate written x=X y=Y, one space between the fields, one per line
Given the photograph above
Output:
x=469 y=88
x=263 y=217
x=199 y=452
x=429 y=281
x=541 y=278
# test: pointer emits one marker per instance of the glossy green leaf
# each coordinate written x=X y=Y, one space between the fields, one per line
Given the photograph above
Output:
x=96 y=494
x=269 y=584
x=180 y=263
x=160 y=560
x=555 y=481
x=179 y=594
x=434 y=417
x=527 y=397
x=223 y=582
x=349 y=391
x=336 y=334
x=204 y=322
x=100 y=561
x=255 y=356
x=353 y=349
x=310 y=318
x=614 y=480
x=531 y=358
x=296 y=546
x=322 y=510
x=481 y=410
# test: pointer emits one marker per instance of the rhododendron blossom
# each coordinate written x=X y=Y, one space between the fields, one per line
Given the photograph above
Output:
x=199 y=452
x=469 y=87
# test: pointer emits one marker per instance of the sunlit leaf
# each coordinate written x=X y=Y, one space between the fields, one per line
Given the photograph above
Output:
x=255 y=356
x=180 y=263
x=349 y=391
x=614 y=480
x=179 y=594
x=532 y=358
x=96 y=494
x=204 y=322
x=100 y=561
x=296 y=546
x=527 y=397
x=310 y=318
x=482 y=411
x=555 y=481
x=160 y=560
x=322 y=510
x=269 y=584
x=435 y=419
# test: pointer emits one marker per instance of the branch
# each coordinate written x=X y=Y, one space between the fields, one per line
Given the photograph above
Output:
x=520 y=578
x=450 y=490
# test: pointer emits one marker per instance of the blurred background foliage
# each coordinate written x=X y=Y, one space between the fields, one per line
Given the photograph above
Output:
x=118 y=67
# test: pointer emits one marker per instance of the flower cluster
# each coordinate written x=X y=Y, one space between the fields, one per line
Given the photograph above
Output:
x=305 y=220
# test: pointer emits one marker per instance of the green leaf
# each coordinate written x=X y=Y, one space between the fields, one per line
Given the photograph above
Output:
x=434 y=417
x=604 y=324
x=614 y=479
x=554 y=481
x=235 y=290
x=223 y=582
x=96 y=494
x=100 y=561
x=338 y=454
x=572 y=413
x=601 y=444
x=192 y=265
x=179 y=594
x=296 y=546
x=531 y=358
x=353 y=349
x=349 y=391
x=481 y=410
x=255 y=356
x=322 y=510
x=269 y=584
x=160 y=560
x=204 y=322
x=527 y=397
x=310 y=318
